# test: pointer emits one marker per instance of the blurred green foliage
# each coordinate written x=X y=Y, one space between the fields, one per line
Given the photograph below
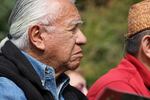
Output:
x=105 y=23
x=5 y=9
x=105 y=26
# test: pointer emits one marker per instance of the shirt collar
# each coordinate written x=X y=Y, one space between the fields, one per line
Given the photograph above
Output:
x=45 y=71
x=39 y=67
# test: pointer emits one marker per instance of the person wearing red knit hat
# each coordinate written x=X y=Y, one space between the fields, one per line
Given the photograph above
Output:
x=132 y=74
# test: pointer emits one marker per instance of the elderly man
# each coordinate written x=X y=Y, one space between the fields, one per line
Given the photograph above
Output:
x=44 y=42
x=132 y=75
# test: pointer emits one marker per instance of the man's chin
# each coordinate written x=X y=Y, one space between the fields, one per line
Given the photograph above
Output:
x=73 y=65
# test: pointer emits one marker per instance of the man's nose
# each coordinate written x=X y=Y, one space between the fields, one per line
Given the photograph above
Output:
x=81 y=39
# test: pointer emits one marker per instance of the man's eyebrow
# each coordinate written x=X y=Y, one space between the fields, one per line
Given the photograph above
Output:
x=77 y=22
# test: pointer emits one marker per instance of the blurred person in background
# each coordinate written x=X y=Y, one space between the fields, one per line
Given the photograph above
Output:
x=78 y=81
x=44 y=41
x=132 y=75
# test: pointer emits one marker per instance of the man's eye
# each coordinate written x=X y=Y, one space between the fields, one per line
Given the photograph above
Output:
x=73 y=29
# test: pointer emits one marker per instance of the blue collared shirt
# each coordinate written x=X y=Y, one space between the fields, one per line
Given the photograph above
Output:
x=10 y=91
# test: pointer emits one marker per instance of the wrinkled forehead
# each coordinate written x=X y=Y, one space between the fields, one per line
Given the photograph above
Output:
x=61 y=4
x=66 y=9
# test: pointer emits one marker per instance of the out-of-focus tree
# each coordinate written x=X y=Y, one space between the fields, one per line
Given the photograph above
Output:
x=81 y=4
x=105 y=26
x=5 y=8
x=101 y=2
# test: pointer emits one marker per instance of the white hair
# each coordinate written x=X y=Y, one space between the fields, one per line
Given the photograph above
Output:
x=27 y=13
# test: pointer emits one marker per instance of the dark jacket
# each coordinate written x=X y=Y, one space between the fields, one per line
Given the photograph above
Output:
x=15 y=66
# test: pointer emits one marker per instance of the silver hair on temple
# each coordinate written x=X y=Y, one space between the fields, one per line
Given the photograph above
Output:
x=25 y=14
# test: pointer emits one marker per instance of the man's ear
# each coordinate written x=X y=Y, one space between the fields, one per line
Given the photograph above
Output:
x=36 y=37
x=145 y=45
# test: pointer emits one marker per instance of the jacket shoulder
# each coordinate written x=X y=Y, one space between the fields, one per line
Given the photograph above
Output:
x=10 y=89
